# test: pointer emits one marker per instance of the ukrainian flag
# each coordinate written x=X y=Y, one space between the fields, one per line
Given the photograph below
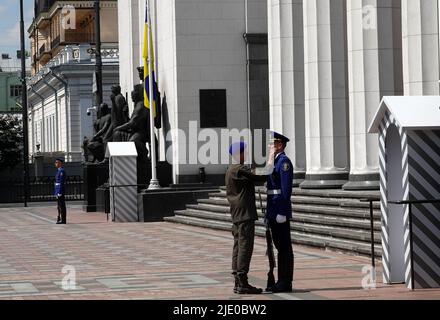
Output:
x=147 y=33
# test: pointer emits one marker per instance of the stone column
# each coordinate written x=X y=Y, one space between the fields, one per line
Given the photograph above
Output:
x=374 y=64
x=420 y=43
x=286 y=74
x=129 y=45
x=326 y=93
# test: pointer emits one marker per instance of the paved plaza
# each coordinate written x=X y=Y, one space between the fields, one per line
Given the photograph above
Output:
x=156 y=261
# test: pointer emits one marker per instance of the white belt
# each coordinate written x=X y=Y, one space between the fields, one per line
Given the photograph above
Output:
x=57 y=184
x=273 y=192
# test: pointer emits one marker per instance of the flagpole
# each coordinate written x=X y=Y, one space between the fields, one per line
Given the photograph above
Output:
x=154 y=183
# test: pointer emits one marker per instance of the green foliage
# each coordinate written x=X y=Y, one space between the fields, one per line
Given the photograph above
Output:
x=11 y=141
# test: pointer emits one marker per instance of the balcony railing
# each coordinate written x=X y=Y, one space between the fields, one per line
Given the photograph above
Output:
x=72 y=37
x=77 y=54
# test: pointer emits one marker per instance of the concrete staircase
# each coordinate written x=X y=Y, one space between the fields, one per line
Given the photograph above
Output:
x=328 y=219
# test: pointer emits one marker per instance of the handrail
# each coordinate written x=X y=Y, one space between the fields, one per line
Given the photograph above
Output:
x=371 y=200
x=411 y=202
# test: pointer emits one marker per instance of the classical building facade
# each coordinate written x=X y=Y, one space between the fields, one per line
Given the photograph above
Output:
x=60 y=91
x=211 y=62
x=331 y=62
x=320 y=75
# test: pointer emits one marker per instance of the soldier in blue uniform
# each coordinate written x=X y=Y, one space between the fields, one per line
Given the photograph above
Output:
x=279 y=212
x=60 y=189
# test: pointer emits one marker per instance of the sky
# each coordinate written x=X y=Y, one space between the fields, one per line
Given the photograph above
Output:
x=10 y=24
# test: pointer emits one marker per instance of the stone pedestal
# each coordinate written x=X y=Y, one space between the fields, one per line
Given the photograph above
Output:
x=39 y=165
x=103 y=198
x=95 y=175
x=154 y=205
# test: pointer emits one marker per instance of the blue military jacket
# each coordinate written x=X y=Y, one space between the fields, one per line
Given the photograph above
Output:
x=279 y=187
x=60 y=182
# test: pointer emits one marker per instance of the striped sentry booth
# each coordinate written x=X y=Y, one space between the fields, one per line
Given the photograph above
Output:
x=123 y=180
x=409 y=143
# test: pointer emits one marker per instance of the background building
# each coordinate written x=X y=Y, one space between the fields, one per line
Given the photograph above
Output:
x=211 y=58
x=10 y=84
x=61 y=87
x=329 y=65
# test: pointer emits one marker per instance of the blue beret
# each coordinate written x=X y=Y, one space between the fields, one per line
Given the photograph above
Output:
x=279 y=136
x=238 y=147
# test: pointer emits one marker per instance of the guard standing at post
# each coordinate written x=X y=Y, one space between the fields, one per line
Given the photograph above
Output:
x=240 y=192
x=279 y=212
x=60 y=190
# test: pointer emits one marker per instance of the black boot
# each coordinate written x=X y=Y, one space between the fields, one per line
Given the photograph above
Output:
x=282 y=286
x=237 y=283
x=244 y=287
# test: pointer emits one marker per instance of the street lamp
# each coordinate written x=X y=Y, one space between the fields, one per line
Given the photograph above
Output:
x=24 y=109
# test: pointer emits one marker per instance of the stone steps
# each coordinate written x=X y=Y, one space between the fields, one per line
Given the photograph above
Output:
x=314 y=199
x=330 y=219
x=222 y=205
x=352 y=247
x=307 y=217
x=303 y=223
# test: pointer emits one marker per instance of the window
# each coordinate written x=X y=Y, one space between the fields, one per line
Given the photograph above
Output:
x=15 y=91
x=213 y=109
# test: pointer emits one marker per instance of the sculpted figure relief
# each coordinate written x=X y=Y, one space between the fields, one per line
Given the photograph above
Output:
x=98 y=143
x=138 y=127
x=119 y=115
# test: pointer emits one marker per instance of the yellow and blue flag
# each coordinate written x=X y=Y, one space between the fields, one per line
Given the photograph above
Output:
x=148 y=37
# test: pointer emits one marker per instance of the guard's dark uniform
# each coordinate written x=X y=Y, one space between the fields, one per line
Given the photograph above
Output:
x=279 y=192
x=60 y=190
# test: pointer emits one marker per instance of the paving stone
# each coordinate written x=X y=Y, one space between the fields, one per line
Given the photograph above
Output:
x=158 y=261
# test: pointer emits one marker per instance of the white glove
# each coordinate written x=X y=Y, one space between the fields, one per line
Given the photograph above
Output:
x=281 y=219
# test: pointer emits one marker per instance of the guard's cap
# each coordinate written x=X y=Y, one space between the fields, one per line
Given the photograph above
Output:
x=60 y=160
x=279 y=137
x=237 y=147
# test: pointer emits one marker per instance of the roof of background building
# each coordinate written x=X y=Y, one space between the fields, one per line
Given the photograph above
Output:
x=12 y=64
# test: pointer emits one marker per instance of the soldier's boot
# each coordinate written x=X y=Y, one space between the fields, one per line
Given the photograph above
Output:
x=245 y=288
x=236 y=282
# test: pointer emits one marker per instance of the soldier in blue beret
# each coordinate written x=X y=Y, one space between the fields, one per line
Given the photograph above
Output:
x=60 y=189
x=240 y=192
x=279 y=212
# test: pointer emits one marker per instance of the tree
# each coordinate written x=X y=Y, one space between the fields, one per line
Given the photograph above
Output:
x=11 y=141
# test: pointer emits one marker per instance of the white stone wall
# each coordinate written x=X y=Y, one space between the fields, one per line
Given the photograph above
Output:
x=256 y=16
x=211 y=54
x=199 y=45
